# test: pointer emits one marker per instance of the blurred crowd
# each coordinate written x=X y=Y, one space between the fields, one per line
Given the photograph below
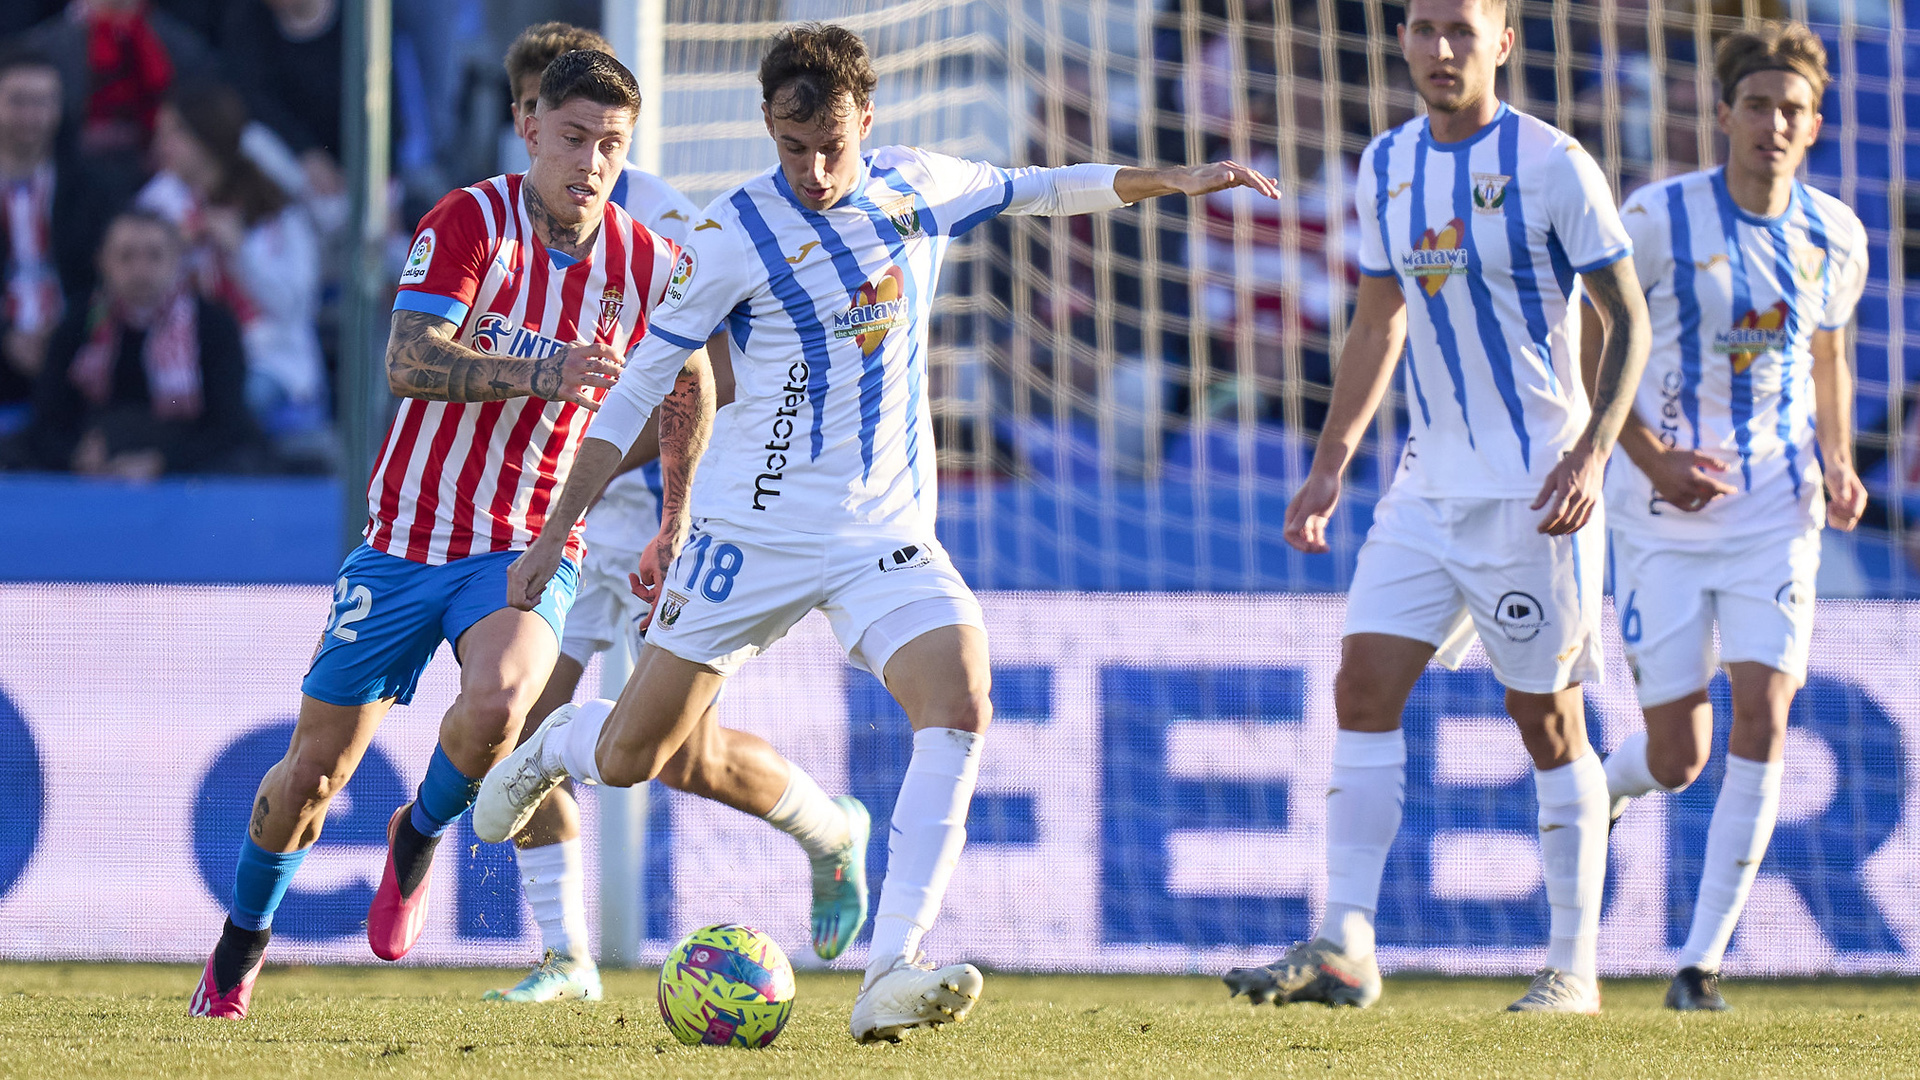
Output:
x=173 y=201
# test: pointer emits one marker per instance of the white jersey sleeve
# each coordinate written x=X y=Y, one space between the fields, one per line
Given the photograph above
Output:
x=1851 y=279
x=1580 y=209
x=1649 y=230
x=963 y=194
x=1374 y=260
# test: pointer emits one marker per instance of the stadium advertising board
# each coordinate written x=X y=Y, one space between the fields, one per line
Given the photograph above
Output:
x=1152 y=797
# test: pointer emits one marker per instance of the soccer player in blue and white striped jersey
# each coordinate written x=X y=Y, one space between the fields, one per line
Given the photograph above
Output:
x=1752 y=277
x=1481 y=226
x=819 y=491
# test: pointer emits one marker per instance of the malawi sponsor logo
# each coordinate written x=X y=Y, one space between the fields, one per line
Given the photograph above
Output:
x=878 y=306
x=495 y=335
x=780 y=434
x=1489 y=192
x=1437 y=256
x=419 y=260
x=1753 y=335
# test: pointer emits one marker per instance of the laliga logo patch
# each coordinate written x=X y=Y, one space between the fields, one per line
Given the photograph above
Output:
x=878 y=307
x=1520 y=616
x=611 y=301
x=1489 y=192
x=682 y=275
x=419 y=260
x=1753 y=334
x=1436 y=256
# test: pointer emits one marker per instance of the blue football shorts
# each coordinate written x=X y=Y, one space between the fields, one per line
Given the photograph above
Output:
x=390 y=614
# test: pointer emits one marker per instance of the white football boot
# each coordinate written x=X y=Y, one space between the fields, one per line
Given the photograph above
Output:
x=914 y=995
x=1554 y=990
x=513 y=789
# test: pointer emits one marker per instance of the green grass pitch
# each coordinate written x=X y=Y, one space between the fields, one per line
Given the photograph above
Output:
x=96 y=1020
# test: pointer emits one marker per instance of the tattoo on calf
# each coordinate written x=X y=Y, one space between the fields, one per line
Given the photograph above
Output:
x=257 y=826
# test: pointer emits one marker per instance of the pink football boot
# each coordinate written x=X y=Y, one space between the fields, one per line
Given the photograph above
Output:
x=210 y=1002
x=394 y=922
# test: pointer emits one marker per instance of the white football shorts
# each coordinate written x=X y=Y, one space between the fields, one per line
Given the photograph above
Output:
x=1440 y=570
x=604 y=608
x=734 y=591
x=1669 y=597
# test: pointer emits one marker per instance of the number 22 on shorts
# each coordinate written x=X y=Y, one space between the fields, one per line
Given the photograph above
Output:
x=361 y=600
x=727 y=560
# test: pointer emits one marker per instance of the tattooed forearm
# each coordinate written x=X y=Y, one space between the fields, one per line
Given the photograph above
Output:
x=685 y=417
x=1615 y=292
x=568 y=238
x=423 y=361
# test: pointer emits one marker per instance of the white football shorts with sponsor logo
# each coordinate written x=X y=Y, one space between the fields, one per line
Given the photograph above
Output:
x=1669 y=596
x=604 y=608
x=735 y=590
x=1441 y=570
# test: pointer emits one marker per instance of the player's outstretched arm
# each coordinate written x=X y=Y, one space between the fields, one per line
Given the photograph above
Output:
x=423 y=361
x=1833 y=426
x=1572 y=489
x=1374 y=341
x=1133 y=184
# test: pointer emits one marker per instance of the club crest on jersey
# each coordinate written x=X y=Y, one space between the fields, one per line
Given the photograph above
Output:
x=611 y=301
x=1489 y=192
x=1809 y=263
x=905 y=216
x=1436 y=256
x=495 y=335
x=671 y=604
x=681 y=277
x=418 y=260
x=1754 y=334
x=878 y=307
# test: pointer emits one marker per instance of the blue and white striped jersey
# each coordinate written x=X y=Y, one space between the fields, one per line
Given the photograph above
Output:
x=827 y=316
x=1486 y=236
x=1735 y=300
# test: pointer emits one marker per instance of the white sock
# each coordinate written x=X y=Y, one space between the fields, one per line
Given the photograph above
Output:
x=573 y=746
x=1628 y=776
x=555 y=888
x=1573 y=854
x=1742 y=824
x=929 y=829
x=1364 y=796
x=805 y=813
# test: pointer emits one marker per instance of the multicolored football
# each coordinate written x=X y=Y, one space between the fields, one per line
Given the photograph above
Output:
x=726 y=985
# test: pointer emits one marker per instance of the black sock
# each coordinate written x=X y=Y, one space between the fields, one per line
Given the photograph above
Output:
x=236 y=954
x=412 y=854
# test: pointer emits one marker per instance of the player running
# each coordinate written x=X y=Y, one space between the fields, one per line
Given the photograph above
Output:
x=603 y=620
x=822 y=491
x=519 y=298
x=1479 y=225
x=1752 y=278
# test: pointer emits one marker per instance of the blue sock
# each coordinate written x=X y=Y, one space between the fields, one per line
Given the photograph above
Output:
x=445 y=794
x=260 y=883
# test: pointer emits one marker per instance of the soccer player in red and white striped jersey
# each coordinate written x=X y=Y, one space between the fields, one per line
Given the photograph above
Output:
x=518 y=301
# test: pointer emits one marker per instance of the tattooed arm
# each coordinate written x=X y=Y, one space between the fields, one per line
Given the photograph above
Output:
x=1573 y=487
x=684 y=418
x=423 y=361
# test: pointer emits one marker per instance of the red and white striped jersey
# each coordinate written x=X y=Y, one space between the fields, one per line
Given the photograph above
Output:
x=453 y=479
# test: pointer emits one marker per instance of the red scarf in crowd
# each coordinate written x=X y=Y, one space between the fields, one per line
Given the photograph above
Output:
x=172 y=356
x=128 y=66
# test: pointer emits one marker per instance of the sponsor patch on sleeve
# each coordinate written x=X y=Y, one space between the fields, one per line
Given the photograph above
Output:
x=419 y=260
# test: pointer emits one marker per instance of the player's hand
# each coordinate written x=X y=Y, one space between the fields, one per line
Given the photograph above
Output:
x=1219 y=176
x=1685 y=478
x=1571 y=492
x=1846 y=496
x=654 y=563
x=1309 y=512
x=583 y=372
x=528 y=576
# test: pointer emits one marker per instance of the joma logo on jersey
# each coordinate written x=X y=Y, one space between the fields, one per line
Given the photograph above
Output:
x=496 y=336
x=1489 y=192
x=1436 y=256
x=1754 y=334
x=878 y=307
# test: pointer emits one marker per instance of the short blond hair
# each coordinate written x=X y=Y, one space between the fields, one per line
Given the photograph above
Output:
x=541 y=44
x=1771 y=46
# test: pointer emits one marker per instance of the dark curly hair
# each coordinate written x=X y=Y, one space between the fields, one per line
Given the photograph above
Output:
x=816 y=69
x=586 y=73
